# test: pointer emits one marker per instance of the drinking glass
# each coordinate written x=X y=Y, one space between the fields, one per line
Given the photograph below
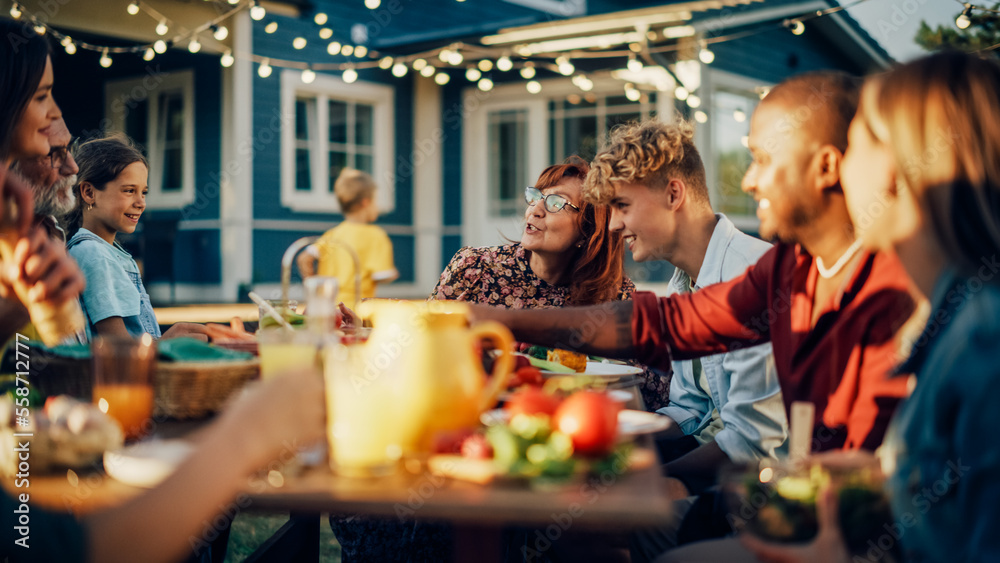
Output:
x=282 y=350
x=123 y=380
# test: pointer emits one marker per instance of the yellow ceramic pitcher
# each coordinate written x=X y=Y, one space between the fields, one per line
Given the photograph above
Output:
x=429 y=350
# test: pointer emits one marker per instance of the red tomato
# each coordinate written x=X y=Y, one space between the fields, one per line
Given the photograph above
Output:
x=529 y=375
x=590 y=419
x=450 y=441
x=531 y=401
x=477 y=446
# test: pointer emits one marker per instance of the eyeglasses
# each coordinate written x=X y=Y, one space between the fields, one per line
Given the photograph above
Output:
x=554 y=203
x=59 y=155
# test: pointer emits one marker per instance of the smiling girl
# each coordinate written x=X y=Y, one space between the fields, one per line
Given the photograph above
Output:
x=111 y=196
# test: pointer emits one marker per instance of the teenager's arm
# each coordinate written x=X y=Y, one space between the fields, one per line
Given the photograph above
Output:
x=306 y=263
x=111 y=326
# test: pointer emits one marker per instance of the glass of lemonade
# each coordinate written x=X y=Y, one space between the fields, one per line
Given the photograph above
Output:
x=123 y=380
x=282 y=350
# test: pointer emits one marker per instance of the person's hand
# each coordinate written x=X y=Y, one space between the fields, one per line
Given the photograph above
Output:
x=350 y=318
x=190 y=330
x=286 y=411
x=675 y=488
x=42 y=266
x=827 y=547
x=14 y=192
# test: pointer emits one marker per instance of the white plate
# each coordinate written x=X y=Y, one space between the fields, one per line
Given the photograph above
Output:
x=601 y=369
x=146 y=464
x=630 y=422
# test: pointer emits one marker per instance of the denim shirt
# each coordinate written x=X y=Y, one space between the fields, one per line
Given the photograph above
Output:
x=114 y=287
x=945 y=487
x=742 y=385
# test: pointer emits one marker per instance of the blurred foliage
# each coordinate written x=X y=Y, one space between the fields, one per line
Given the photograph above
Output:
x=983 y=33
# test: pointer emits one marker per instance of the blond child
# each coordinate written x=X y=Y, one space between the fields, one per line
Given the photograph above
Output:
x=355 y=190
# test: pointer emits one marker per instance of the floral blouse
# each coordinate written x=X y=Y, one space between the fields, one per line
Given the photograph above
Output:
x=500 y=276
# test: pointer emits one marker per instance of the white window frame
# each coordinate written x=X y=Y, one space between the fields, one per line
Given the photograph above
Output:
x=325 y=88
x=149 y=88
x=713 y=80
x=564 y=8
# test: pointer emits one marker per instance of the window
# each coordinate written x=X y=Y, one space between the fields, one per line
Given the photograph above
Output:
x=731 y=113
x=508 y=167
x=158 y=114
x=578 y=124
x=336 y=125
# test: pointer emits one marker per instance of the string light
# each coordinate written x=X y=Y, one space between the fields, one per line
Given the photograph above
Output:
x=347 y=50
x=271 y=27
x=360 y=51
x=528 y=71
x=455 y=58
x=149 y=54
x=399 y=70
x=485 y=84
x=740 y=116
x=320 y=18
x=350 y=75
x=299 y=43
x=308 y=76
x=419 y=64
x=706 y=56
x=160 y=46
x=485 y=65
x=444 y=55
x=325 y=33
x=71 y=48
x=634 y=64
x=333 y=48
x=264 y=70
x=566 y=68
x=15 y=11
x=132 y=8
x=533 y=86
x=796 y=26
x=693 y=101
x=194 y=46
x=473 y=74
x=162 y=28
x=441 y=78
x=220 y=32
x=385 y=63
x=227 y=59
x=40 y=29
x=428 y=71
x=257 y=12
x=963 y=21
x=632 y=93
x=681 y=93
x=700 y=116
x=372 y=4
x=504 y=63
x=105 y=59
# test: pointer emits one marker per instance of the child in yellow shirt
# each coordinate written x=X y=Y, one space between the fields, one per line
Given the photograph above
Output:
x=355 y=190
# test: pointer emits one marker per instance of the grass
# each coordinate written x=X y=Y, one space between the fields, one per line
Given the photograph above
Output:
x=251 y=529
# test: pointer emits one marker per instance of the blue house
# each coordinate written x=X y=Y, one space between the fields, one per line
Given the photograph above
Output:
x=453 y=106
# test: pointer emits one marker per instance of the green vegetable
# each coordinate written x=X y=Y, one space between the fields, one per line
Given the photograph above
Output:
x=546 y=365
x=540 y=352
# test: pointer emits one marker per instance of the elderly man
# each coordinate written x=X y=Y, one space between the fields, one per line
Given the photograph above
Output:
x=51 y=179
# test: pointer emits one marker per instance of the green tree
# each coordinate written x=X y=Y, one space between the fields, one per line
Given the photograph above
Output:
x=982 y=34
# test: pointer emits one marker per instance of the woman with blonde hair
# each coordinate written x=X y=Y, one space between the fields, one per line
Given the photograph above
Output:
x=922 y=178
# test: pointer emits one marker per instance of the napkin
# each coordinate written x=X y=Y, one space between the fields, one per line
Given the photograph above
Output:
x=70 y=351
x=190 y=350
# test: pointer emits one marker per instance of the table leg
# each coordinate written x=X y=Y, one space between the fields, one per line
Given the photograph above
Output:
x=476 y=544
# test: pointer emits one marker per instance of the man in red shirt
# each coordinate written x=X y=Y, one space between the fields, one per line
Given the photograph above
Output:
x=829 y=309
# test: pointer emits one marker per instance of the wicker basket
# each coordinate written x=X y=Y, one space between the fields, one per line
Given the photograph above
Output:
x=197 y=389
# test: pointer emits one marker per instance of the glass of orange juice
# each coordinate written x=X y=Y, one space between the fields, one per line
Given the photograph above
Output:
x=123 y=381
x=282 y=351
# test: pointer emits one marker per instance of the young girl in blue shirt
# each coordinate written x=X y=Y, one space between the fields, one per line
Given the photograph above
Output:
x=111 y=197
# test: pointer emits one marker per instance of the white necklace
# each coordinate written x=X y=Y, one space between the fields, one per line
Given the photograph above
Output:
x=828 y=273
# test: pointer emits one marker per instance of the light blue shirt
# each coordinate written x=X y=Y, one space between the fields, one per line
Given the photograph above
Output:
x=114 y=286
x=945 y=488
x=740 y=387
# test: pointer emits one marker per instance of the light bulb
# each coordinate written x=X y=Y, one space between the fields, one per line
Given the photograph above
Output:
x=797 y=27
x=105 y=59
x=148 y=54
x=700 y=116
x=360 y=51
x=227 y=59
x=528 y=72
x=347 y=50
x=333 y=48
x=162 y=28
x=399 y=70
x=632 y=94
x=132 y=8
x=320 y=18
x=66 y=40
x=160 y=46
x=566 y=68
x=40 y=29
x=442 y=78
x=504 y=63
x=586 y=85
x=299 y=43
x=257 y=12
x=325 y=33
x=634 y=64
x=71 y=49
x=194 y=46
x=963 y=21
x=264 y=70
x=485 y=65
x=15 y=11
x=234 y=2
x=444 y=55
x=308 y=76
x=533 y=86
x=455 y=58
x=350 y=75
x=740 y=116
x=473 y=74
x=220 y=33
x=693 y=101
x=485 y=84
x=681 y=93
x=372 y=4
x=385 y=63
x=419 y=64
x=706 y=56
x=271 y=27
x=428 y=71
